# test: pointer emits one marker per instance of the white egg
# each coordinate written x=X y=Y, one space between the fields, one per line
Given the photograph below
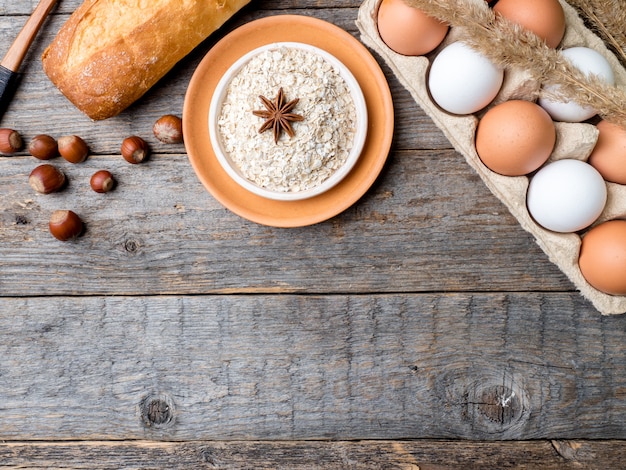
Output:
x=566 y=196
x=589 y=62
x=463 y=81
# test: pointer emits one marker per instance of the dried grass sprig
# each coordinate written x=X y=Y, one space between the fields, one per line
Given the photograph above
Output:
x=510 y=46
x=607 y=18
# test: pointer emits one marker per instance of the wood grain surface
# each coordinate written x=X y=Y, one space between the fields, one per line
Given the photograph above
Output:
x=421 y=328
x=301 y=455
x=480 y=366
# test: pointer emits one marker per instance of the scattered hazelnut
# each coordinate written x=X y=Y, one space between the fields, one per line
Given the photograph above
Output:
x=65 y=225
x=169 y=129
x=43 y=147
x=10 y=141
x=134 y=149
x=102 y=181
x=46 y=179
x=73 y=148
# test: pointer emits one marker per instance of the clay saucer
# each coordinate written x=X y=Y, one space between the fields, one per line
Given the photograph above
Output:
x=306 y=30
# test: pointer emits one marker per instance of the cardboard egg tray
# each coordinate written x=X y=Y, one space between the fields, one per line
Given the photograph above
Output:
x=574 y=140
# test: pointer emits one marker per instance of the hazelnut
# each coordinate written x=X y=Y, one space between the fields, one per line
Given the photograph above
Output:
x=46 y=179
x=65 y=225
x=43 y=147
x=102 y=181
x=134 y=149
x=73 y=148
x=169 y=129
x=10 y=141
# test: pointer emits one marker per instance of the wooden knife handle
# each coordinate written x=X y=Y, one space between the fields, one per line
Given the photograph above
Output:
x=16 y=53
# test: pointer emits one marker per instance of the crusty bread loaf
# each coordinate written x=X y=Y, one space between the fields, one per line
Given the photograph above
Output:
x=110 y=52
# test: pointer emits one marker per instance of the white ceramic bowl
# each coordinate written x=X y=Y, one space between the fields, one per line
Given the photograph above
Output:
x=232 y=169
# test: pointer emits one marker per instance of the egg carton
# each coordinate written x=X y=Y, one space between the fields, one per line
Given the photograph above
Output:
x=574 y=140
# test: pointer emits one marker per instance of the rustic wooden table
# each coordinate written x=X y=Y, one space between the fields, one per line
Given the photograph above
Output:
x=421 y=328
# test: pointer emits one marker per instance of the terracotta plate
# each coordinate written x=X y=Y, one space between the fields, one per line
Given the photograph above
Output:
x=317 y=33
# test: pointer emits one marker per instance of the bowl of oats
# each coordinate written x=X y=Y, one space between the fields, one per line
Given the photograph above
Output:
x=288 y=121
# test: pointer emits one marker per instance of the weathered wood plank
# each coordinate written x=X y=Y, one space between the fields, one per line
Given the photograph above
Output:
x=493 y=367
x=405 y=455
x=24 y=7
x=429 y=224
x=38 y=104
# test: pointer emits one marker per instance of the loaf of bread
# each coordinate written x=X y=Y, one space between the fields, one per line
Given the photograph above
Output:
x=110 y=52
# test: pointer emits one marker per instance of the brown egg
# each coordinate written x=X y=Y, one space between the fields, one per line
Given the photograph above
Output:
x=545 y=18
x=602 y=259
x=515 y=138
x=609 y=154
x=407 y=30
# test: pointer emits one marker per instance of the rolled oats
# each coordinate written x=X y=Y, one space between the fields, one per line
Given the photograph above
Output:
x=322 y=141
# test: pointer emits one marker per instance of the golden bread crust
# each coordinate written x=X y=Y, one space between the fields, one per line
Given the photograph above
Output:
x=110 y=52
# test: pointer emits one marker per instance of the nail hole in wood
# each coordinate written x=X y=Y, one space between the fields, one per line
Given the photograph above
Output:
x=21 y=220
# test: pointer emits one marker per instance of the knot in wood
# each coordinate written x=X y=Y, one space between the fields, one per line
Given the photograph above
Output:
x=131 y=246
x=485 y=402
x=157 y=411
x=500 y=405
x=495 y=407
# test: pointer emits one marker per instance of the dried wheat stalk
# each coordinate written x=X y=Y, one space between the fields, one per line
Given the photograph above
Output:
x=510 y=46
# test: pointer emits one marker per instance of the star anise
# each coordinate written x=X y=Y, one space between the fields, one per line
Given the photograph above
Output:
x=278 y=115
